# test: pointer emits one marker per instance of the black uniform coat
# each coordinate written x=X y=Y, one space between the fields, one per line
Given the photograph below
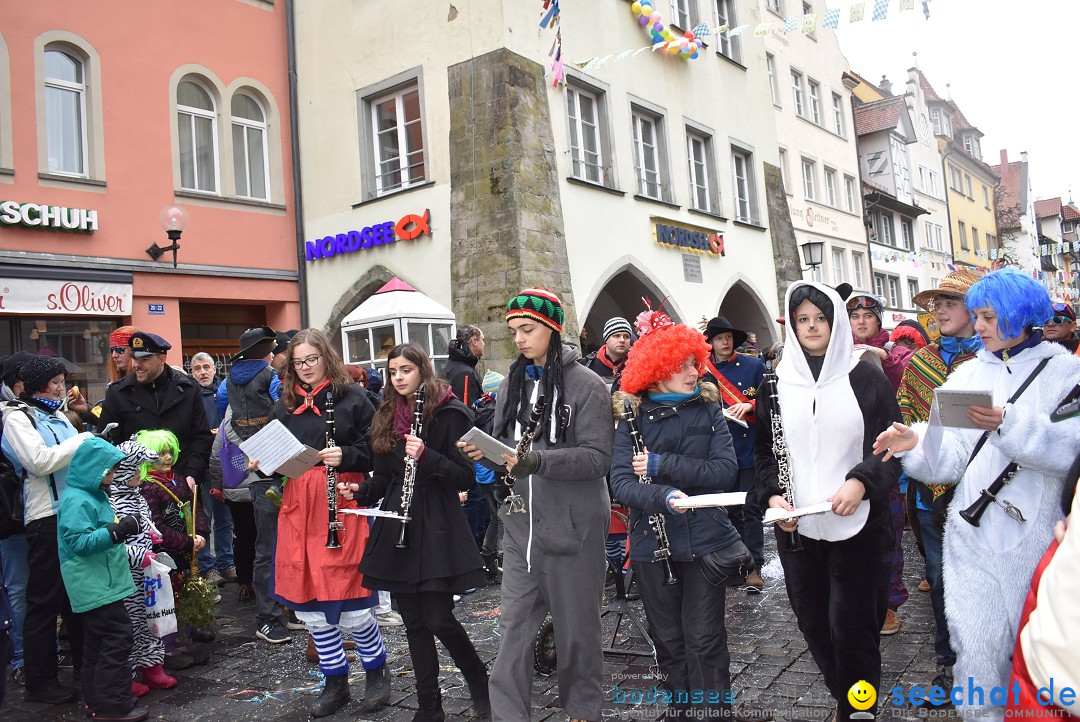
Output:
x=441 y=554
x=172 y=401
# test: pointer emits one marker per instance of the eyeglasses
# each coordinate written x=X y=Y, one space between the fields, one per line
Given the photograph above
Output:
x=1058 y=320
x=309 y=362
x=861 y=302
x=692 y=364
x=117 y=349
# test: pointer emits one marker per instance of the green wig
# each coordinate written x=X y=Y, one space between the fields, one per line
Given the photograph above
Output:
x=157 y=440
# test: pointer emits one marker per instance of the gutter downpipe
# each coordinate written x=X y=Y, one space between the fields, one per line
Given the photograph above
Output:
x=294 y=136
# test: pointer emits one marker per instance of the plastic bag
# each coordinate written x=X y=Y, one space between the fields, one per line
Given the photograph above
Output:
x=160 y=607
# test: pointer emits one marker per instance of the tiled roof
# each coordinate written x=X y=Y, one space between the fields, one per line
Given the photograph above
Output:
x=1070 y=212
x=880 y=115
x=928 y=90
x=1048 y=208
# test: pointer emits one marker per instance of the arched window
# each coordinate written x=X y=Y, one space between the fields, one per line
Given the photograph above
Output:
x=249 y=148
x=197 y=127
x=65 y=113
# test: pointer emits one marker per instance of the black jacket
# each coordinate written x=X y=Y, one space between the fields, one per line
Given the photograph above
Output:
x=172 y=401
x=442 y=555
x=696 y=457
x=352 y=426
x=209 y=400
x=460 y=371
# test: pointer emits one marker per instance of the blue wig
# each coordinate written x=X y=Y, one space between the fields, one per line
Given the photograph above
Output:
x=1019 y=301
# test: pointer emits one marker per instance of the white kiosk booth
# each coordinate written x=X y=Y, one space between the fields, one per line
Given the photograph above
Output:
x=396 y=313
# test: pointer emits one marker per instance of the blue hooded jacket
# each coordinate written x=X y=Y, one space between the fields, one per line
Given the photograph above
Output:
x=95 y=570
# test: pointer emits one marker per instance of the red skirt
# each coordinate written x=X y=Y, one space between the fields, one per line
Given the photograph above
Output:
x=304 y=569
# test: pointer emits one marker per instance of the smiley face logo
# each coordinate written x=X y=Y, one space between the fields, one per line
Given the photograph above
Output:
x=862 y=695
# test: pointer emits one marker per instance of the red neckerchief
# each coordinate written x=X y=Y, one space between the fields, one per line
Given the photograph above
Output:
x=309 y=398
x=731 y=391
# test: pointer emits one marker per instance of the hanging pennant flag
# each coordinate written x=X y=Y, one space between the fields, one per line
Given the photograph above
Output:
x=881 y=10
x=790 y=24
x=723 y=29
x=736 y=32
x=907 y=5
x=831 y=19
x=761 y=30
x=809 y=23
x=858 y=11
x=624 y=55
x=552 y=17
x=993 y=254
x=701 y=30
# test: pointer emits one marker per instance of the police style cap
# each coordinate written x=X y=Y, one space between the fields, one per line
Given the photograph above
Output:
x=144 y=344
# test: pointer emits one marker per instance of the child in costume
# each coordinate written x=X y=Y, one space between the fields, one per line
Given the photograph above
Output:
x=148 y=652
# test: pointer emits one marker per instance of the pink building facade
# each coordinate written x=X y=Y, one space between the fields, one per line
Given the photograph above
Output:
x=111 y=112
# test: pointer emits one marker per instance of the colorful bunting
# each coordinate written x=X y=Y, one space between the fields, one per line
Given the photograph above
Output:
x=858 y=11
x=881 y=10
x=831 y=19
x=809 y=23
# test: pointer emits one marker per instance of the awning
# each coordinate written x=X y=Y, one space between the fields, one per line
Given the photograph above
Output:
x=884 y=200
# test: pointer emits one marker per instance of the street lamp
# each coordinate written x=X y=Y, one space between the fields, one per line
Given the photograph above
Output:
x=173 y=220
x=811 y=251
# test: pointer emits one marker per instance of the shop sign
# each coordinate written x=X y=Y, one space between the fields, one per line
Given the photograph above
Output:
x=812 y=218
x=407 y=228
x=690 y=239
x=33 y=215
x=32 y=295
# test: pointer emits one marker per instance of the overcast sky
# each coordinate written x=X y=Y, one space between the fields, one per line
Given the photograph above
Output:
x=1009 y=67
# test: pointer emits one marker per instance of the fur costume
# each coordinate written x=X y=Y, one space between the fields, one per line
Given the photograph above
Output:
x=987 y=568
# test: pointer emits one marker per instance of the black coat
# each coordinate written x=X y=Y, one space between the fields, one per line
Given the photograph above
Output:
x=442 y=554
x=352 y=426
x=460 y=371
x=172 y=401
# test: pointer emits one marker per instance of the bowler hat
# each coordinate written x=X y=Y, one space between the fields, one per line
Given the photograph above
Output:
x=256 y=343
x=719 y=325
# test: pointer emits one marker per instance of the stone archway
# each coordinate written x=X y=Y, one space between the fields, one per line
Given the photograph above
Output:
x=362 y=289
x=621 y=296
x=744 y=308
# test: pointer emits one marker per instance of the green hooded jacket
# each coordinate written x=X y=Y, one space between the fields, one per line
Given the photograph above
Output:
x=95 y=570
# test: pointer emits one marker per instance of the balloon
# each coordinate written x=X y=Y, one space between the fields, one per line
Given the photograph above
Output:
x=656 y=17
x=673 y=49
x=643 y=20
x=636 y=8
x=688 y=35
x=692 y=48
x=659 y=26
x=684 y=43
x=694 y=56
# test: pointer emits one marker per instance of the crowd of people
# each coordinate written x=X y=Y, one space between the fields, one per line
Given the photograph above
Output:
x=617 y=461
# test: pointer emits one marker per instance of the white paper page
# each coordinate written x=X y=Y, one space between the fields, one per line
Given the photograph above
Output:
x=773 y=515
x=374 y=512
x=273 y=445
x=711 y=501
x=932 y=438
x=952 y=406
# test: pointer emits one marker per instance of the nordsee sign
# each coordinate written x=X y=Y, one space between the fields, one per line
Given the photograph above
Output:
x=34 y=215
x=380 y=234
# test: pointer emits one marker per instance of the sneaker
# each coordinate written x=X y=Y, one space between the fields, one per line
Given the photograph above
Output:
x=891 y=625
x=389 y=619
x=924 y=585
x=214 y=577
x=457 y=598
x=470 y=590
x=273 y=633
x=293 y=623
x=228 y=574
x=943 y=678
x=754 y=582
x=18 y=676
x=65 y=661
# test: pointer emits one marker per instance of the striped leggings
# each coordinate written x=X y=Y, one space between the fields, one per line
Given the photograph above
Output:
x=360 y=624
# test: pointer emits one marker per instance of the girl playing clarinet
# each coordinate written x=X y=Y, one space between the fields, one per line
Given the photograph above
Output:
x=686 y=449
x=832 y=407
x=425 y=560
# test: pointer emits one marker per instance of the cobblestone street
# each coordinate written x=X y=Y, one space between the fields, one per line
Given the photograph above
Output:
x=771 y=669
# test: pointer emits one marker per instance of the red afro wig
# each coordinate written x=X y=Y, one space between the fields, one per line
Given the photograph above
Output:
x=659 y=355
x=909 y=334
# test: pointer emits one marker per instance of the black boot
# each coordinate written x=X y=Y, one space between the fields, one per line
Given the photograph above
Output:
x=376 y=689
x=51 y=694
x=430 y=707
x=491 y=568
x=478 y=690
x=335 y=693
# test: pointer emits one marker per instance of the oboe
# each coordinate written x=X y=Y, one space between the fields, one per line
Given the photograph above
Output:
x=656 y=521
x=514 y=502
x=333 y=523
x=409 y=481
x=779 y=444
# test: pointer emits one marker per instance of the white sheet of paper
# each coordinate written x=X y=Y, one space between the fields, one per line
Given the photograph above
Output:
x=278 y=451
x=374 y=512
x=773 y=515
x=952 y=405
x=711 y=501
x=731 y=418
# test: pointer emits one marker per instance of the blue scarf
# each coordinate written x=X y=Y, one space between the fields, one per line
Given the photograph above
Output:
x=1033 y=340
x=952 y=346
x=534 y=372
x=674 y=399
x=53 y=404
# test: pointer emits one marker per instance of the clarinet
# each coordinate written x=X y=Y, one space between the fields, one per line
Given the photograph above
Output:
x=334 y=524
x=973 y=514
x=656 y=521
x=514 y=502
x=779 y=444
x=409 y=481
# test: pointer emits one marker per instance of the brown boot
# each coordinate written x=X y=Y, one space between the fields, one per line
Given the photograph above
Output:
x=313 y=654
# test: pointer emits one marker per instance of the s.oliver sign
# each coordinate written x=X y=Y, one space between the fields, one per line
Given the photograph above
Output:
x=31 y=295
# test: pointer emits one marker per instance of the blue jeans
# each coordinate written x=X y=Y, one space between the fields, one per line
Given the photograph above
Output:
x=221 y=525
x=16 y=570
x=931 y=539
x=266 y=516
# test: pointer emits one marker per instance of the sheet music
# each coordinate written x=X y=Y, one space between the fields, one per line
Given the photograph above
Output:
x=375 y=512
x=710 y=501
x=773 y=515
x=951 y=406
x=278 y=451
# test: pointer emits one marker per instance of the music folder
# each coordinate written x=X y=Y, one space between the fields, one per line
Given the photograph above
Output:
x=279 y=452
x=492 y=448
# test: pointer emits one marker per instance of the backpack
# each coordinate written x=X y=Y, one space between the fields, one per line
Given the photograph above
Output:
x=12 y=506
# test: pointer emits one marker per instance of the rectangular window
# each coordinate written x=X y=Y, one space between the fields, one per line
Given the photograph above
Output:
x=967 y=184
x=928 y=230
x=857 y=269
x=986 y=196
x=838 y=114
x=770 y=65
x=962 y=232
x=839 y=272
x=680 y=13
x=894 y=291
x=913 y=291
x=907 y=235
x=956 y=179
x=830 y=187
x=879 y=284
x=742 y=170
x=774 y=6
x=647 y=156
x=809 y=171
x=939 y=237
x=887 y=230
x=699 y=152
x=65 y=113
x=815 y=102
x=784 y=170
x=935 y=118
x=797 y=92
x=586 y=149
x=991 y=241
x=849 y=192
x=398 y=140
x=975 y=239
x=807 y=9
x=725 y=15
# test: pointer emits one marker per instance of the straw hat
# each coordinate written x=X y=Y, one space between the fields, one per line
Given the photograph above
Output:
x=955 y=284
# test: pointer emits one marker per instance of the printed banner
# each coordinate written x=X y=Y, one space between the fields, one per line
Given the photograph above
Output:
x=77 y=298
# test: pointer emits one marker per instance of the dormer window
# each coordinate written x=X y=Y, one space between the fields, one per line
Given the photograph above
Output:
x=940 y=119
x=971 y=145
